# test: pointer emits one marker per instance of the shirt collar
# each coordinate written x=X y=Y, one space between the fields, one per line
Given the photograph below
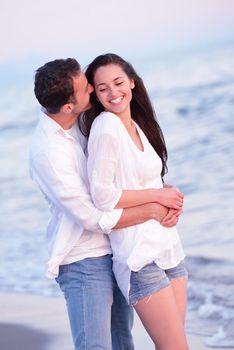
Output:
x=50 y=126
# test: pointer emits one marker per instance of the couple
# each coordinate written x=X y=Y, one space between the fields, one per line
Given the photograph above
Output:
x=99 y=157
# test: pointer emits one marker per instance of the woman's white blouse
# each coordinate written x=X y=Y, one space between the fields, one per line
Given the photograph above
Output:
x=115 y=163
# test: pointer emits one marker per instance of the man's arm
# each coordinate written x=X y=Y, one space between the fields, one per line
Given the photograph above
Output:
x=56 y=173
x=63 y=185
x=141 y=213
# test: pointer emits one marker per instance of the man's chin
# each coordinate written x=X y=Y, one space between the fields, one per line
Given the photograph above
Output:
x=88 y=107
x=85 y=109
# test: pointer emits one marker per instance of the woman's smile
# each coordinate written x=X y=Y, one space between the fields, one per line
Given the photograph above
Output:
x=117 y=100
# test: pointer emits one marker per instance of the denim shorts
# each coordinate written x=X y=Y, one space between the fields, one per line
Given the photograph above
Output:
x=151 y=278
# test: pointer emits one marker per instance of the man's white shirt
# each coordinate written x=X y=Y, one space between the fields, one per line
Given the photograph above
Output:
x=77 y=229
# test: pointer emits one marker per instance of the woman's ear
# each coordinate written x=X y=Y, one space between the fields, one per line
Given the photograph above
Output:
x=132 y=84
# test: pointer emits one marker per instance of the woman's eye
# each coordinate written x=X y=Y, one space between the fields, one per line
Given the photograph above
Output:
x=119 y=83
x=102 y=90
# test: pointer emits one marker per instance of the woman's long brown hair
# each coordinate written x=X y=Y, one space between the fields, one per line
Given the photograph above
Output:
x=142 y=111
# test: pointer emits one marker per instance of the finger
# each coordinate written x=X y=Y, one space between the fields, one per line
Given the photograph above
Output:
x=177 y=206
x=170 y=220
x=180 y=199
x=178 y=212
x=169 y=215
x=180 y=194
x=170 y=223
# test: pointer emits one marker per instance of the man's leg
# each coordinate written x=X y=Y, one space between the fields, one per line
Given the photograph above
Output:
x=121 y=322
x=88 y=289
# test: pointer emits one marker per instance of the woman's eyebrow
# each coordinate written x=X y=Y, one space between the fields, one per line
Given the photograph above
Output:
x=120 y=77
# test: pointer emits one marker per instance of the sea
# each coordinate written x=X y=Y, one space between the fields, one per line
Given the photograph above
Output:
x=192 y=90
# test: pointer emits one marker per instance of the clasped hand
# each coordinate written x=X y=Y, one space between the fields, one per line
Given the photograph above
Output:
x=172 y=198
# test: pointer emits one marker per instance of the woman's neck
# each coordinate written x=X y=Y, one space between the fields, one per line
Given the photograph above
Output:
x=126 y=119
x=128 y=123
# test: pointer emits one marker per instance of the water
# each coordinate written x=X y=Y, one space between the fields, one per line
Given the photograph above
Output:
x=193 y=93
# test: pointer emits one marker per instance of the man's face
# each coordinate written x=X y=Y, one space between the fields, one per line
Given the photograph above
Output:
x=82 y=91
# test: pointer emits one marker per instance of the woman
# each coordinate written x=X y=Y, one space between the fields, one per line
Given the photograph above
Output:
x=127 y=151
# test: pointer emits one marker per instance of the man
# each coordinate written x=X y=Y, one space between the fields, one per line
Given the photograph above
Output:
x=77 y=234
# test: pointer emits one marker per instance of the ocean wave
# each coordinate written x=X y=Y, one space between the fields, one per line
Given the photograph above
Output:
x=211 y=297
x=17 y=127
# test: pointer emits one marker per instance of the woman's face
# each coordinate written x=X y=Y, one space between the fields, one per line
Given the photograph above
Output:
x=113 y=88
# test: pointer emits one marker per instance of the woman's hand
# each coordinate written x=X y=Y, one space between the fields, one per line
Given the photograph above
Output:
x=172 y=218
x=170 y=197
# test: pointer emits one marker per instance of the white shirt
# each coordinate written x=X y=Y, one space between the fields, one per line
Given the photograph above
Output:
x=115 y=163
x=59 y=167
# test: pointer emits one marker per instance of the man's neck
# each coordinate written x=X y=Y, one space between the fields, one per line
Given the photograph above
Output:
x=66 y=122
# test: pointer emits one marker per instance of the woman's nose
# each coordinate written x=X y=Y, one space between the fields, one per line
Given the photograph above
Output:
x=112 y=92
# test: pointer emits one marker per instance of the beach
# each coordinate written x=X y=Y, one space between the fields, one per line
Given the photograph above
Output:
x=31 y=322
x=192 y=92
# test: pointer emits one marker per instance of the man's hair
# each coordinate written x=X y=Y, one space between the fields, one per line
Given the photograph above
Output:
x=53 y=85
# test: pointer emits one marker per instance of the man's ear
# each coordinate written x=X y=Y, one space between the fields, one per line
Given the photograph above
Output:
x=67 y=108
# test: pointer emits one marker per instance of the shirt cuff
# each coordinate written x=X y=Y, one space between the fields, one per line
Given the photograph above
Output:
x=109 y=220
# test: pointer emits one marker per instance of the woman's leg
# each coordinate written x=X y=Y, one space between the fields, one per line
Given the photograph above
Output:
x=179 y=287
x=162 y=320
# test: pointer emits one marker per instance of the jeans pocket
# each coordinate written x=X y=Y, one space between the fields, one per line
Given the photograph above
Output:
x=62 y=276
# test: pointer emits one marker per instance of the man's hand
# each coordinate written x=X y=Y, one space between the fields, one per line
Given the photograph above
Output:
x=172 y=218
x=159 y=212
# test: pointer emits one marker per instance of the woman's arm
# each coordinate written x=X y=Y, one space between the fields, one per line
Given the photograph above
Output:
x=141 y=213
x=104 y=149
x=169 y=197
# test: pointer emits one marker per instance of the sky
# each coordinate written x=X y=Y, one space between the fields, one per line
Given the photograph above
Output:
x=43 y=30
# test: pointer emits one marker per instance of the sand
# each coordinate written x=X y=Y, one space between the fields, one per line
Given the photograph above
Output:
x=31 y=322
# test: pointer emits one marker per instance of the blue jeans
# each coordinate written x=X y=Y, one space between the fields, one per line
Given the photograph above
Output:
x=99 y=315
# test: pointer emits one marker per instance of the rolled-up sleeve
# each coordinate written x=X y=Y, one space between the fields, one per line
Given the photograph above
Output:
x=108 y=220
